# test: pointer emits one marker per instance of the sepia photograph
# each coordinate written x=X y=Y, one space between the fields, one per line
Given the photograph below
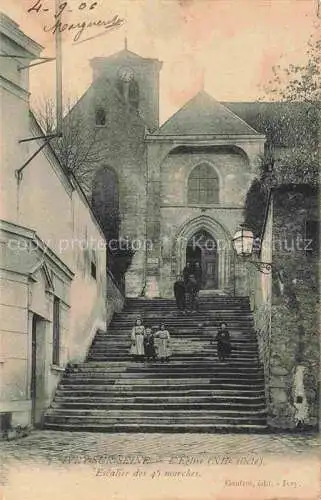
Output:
x=160 y=249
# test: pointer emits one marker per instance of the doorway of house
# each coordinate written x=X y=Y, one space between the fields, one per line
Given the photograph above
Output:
x=37 y=383
x=202 y=248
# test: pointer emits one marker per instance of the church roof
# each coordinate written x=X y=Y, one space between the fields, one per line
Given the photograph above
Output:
x=124 y=54
x=203 y=115
x=272 y=119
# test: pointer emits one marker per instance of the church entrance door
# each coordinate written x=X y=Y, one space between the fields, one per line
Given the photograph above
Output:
x=202 y=248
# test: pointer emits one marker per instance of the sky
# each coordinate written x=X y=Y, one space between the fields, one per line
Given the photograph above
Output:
x=226 y=46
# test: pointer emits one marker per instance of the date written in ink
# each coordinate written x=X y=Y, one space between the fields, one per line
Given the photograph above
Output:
x=40 y=6
x=78 y=28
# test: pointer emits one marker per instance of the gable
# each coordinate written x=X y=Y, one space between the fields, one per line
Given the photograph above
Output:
x=203 y=115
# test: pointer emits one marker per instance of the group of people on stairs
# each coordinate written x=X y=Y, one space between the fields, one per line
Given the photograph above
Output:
x=147 y=344
x=150 y=345
x=187 y=287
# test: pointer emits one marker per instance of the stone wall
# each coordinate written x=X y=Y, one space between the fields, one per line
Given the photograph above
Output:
x=285 y=309
x=115 y=299
x=119 y=145
x=233 y=170
x=295 y=305
x=52 y=252
x=177 y=215
x=145 y=74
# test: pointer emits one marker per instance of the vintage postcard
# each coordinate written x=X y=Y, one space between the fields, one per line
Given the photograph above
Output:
x=160 y=249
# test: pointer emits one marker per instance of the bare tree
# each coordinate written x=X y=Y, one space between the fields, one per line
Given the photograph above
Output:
x=295 y=123
x=45 y=112
x=79 y=148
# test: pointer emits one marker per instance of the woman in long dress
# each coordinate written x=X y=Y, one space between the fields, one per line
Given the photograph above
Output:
x=137 y=337
x=163 y=343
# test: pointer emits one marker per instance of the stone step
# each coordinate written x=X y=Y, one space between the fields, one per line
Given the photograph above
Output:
x=207 y=348
x=203 y=304
x=183 y=324
x=105 y=355
x=99 y=397
x=184 y=354
x=182 y=333
x=143 y=408
x=207 y=363
x=175 y=415
x=162 y=371
x=183 y=330
x=170 y=428
x=146 y=406
x=236 y=359
x=161 y=390
x=216 y=382
x=240 y=341
x=211 y=314
x=157 y=367
x=140 y=421
x=135 y=302
x=113 y=358
x=172 y=310
x=185 y=349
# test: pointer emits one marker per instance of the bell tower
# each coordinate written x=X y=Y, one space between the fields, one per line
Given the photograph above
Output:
x=135 y=80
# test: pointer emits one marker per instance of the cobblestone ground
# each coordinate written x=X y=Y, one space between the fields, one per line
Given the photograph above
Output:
x=56 y=446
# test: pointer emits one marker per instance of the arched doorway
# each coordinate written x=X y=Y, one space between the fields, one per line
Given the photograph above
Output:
x=212 y=248
x=201 y=250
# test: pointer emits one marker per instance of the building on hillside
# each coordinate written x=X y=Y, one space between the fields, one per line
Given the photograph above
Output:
x=180 y=190
x=176 y=184
x=53 y=258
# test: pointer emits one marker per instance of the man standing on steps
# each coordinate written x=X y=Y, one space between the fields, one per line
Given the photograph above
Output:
x=179 y=292
x=198 y=275
x=187 y=271
x=224 y=347
x=149 y=345
x=192 y=294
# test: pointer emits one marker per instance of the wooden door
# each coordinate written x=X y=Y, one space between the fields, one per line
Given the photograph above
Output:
x=37 y=382
x=209 y=268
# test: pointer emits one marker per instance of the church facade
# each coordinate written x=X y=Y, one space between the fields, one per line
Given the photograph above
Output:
x=179 y=189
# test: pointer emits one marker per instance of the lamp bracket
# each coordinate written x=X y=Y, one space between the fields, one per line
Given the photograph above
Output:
x=263 y=267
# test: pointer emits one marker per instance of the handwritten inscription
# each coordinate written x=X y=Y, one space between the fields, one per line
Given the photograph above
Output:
x=80 y=27
x=76 y=28
x=39 y=6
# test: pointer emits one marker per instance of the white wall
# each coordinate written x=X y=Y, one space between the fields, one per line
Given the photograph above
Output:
x=49 y=240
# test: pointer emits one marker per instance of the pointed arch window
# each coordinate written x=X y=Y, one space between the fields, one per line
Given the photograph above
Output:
x=105 y=201
x=203 y=185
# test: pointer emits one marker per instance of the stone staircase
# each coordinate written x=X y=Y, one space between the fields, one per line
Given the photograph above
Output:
x=194 y=392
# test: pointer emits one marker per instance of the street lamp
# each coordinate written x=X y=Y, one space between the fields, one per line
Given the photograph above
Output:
x=243 y=241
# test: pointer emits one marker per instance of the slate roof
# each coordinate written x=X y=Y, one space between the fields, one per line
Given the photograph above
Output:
x=274 y=118
x=203 y=115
